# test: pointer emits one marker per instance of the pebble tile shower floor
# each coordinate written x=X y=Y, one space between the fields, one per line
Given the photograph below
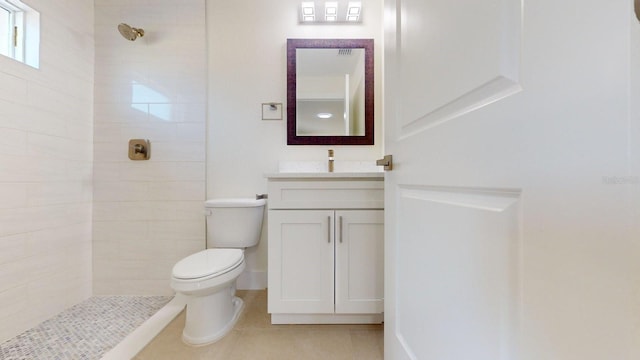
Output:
x=85 y=331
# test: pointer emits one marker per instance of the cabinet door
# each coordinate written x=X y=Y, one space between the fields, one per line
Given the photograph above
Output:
x=359 y=261
x=301 y=261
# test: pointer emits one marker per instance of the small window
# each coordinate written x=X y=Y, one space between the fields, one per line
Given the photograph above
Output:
x=19 y=32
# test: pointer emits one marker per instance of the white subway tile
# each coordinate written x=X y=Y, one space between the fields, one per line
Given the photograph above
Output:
x=192 y=190
x=107 y=211
x=14 y=274
x=106 y=249
x=114 y=93
x=109 y=132
x=27 y=168
x=145 y=170
x=178 y=112
x=188 y=171
x=80 y=170
x=146 y=287
x=16 y=221
x=150 y=209
x=154 y=132
x=136 y=249
x=21 y=117
x=103 y=286
x=13 y=248
x=46 y=141
x=103 y=270
x=120 y=113
x=120 y=191
x=178 y=151
x=138 y=210
x=106 y=171
x=177 y=230
x=13 y=142
x=81 y=130
x=189 y=210
x=111 y=151
x=49 y=100
x=110 y=231
x=13 y=89
x=191 y=132
x=55 y=193
x=74 y=236
x=13 y=195
x=53 y=146
x=13 y=300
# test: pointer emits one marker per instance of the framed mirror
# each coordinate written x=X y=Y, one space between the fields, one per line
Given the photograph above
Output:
x=330 y=90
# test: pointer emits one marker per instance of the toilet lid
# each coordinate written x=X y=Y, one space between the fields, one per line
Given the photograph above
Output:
x=208 y=263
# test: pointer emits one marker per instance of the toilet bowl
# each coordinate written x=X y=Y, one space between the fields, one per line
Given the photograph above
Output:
x=208 y=278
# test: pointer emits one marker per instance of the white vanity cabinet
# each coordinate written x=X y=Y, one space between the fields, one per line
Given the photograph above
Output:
x=326 y=249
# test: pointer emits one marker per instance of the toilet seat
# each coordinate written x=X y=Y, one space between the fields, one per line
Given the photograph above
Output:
x=207 y=264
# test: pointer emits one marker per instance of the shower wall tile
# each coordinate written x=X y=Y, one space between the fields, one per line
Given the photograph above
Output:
x=14 y=88
x=148 y=214
x=12 y=248
x=13 y=195
x=46 y=145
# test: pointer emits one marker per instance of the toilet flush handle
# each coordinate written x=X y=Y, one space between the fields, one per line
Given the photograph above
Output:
x=208 y=212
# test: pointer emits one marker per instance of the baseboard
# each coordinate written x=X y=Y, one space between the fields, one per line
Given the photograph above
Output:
x=327 y=318
x=252 y=280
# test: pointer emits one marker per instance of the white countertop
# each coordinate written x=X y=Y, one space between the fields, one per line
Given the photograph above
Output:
x=326 y=175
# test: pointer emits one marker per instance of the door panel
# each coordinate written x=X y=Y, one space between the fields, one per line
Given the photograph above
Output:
x=466 y=268
x=470 y=49
x=509 y=212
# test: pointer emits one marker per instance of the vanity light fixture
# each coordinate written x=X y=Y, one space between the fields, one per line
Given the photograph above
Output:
x=340 y=11
x=308 y=11
x=353 y=11
x=331 y=11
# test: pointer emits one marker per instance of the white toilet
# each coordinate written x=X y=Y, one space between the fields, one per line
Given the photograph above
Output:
x=208 y=278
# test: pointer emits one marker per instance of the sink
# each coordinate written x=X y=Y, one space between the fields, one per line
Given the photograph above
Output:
x=319 y=167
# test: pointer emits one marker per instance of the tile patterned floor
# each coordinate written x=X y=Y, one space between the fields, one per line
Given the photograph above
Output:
x=255 y=338
x=84 y=331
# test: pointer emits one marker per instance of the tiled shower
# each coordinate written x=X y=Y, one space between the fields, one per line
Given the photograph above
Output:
x=46 y=157
x=65 y=177
x=148 y=214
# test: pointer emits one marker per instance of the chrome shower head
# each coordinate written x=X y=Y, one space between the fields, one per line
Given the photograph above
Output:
x=130 y=33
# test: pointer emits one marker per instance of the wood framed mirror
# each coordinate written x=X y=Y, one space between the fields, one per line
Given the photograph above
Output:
x=330 y=92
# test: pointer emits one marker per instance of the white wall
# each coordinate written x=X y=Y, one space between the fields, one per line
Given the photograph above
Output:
x=148 y=214
x=247 y=67
x=45 y=170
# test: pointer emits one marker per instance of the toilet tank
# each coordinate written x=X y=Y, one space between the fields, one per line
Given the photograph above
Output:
x=234 y=223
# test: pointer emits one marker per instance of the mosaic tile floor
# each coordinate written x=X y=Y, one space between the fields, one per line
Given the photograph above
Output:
x=85 y=331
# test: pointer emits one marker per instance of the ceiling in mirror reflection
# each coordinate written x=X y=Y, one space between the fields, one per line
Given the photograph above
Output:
x=321 y=62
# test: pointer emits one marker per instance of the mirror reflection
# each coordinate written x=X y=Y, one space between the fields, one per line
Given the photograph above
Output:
x=330 y=92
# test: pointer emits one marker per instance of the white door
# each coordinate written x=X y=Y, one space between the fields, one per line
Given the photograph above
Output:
x=301 y=261
x=511 y=211
x=359 y=261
